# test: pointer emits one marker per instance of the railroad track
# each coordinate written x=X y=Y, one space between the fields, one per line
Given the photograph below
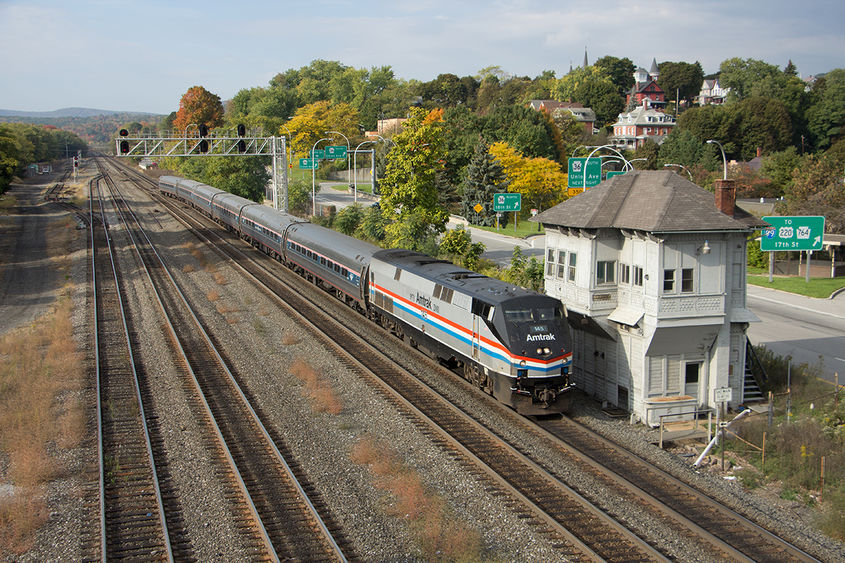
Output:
x=719 y=530
x=282 y=515
x=133 y=523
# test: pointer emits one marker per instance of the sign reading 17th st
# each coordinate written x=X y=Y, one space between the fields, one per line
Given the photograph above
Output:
x=793 y=233
x=507 y=202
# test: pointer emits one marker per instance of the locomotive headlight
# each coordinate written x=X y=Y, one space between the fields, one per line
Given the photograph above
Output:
x=522 y=363
x=539 y=351
x=546 y=351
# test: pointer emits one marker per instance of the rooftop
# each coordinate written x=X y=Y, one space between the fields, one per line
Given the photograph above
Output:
x=647 y=200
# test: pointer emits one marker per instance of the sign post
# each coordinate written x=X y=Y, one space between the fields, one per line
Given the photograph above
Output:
x=508 y=202
x=801 y=233
x=576 y=180
x=722 y=395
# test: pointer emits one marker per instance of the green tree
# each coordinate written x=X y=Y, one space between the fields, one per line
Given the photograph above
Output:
x=349 y=218
x=245 y=176
x=198 y=106
x=779 y=167
x=299 y=197
x=681 y=147
x=457 y=245
x=826 y=116
x=10 y=156
x=683 y=79
x=602 y=97
x=408 y=190
x=620 y=72
x=372 y=224
x=485 y=177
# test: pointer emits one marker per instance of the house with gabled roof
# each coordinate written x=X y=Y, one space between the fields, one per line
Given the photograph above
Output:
x=632 y=129
x=646 y=88
x=585 y=116
x=652 y=272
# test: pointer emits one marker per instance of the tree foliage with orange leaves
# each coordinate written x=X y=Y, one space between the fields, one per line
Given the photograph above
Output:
x=312 y=122
x=199 y=106
x=541 y=181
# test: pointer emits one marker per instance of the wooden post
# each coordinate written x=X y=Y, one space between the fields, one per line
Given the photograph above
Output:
x=771 y=409
x=763 y=461
x=836 y=392
x=822 y=479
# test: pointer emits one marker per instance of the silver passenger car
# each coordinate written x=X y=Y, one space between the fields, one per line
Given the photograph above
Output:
x=337 y=259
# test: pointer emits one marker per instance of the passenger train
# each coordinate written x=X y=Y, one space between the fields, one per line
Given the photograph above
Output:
x=511 y=342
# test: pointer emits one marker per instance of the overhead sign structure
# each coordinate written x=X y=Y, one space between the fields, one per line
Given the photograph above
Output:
x=793 y=233
x=308 y=163
x=507 y=202
x=335 y=151
x=575 y=177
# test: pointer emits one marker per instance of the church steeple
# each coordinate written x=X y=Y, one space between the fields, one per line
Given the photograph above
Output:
x=585 y=57
x=654 y=71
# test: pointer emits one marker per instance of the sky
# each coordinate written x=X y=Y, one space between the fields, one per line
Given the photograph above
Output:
x=134 y=55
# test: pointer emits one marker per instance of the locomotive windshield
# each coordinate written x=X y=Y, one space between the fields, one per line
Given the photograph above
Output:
x=532 y=314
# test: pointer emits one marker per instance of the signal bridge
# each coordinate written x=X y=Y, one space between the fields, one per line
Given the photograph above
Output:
x=213 y=145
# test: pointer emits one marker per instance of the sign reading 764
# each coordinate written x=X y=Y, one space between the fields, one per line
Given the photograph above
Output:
x=793 y=233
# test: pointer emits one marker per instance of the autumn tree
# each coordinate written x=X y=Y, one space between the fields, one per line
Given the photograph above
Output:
x=312 y=121
x=817 y=189
x=485 y=177
x=408 y=188
x=541 y=181
x=199 y=106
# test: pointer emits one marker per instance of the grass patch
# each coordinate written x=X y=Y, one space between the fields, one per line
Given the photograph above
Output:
x=39 y=369
x=816 y=287
x=797 y=440
x=317 y=388
x=524 y=229
x=439 y=535
x=7 y=202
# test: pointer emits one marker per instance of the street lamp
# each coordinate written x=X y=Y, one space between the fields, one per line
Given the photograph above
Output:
x=348 y=169
x=313 y=175
x=635 y=160
x=355 y=162
x=587 y=161
x=724 y=159
x=680 y=166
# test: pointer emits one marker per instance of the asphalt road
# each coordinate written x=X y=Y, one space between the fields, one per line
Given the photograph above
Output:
x=810 y=330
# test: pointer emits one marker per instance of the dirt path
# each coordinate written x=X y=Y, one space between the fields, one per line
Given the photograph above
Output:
x=29 y=279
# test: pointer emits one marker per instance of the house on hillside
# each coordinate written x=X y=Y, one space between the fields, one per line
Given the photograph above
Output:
x=652 y=272
x=634 y=128
x=585 y=116
x=645 y=87
x=712 y=92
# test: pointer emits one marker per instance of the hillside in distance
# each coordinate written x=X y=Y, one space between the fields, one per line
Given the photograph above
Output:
x=91 y=125
x=66 y=112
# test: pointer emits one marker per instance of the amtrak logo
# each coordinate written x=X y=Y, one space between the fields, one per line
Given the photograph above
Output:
x=540 y=337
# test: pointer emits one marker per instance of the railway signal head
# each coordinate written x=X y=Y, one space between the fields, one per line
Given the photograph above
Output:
x=124 y=147
x=203 y=130
x=124 y=133
x=203 y=146
x=241 y=146
x=241 y=130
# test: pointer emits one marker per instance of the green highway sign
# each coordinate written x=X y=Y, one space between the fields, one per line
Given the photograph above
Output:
x=613 y=173
x=308 y=164
x=507 y=202
x=575 y=177
x=318 y=153
x=336 y=151
x=793 y=233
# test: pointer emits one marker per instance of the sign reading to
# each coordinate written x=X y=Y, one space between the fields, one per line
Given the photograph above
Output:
x=318 y=153
x=793 y=233
x=336 y=151
x=575 y=177
x=613 y=173
x=308 y=163
x=507 y=202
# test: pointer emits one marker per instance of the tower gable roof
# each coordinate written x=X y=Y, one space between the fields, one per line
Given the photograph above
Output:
x=647 y=200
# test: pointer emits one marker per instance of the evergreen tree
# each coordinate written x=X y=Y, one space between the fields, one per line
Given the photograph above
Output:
x=485 y=177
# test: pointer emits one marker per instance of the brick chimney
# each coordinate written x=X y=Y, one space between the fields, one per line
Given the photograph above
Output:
x=726 y=196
